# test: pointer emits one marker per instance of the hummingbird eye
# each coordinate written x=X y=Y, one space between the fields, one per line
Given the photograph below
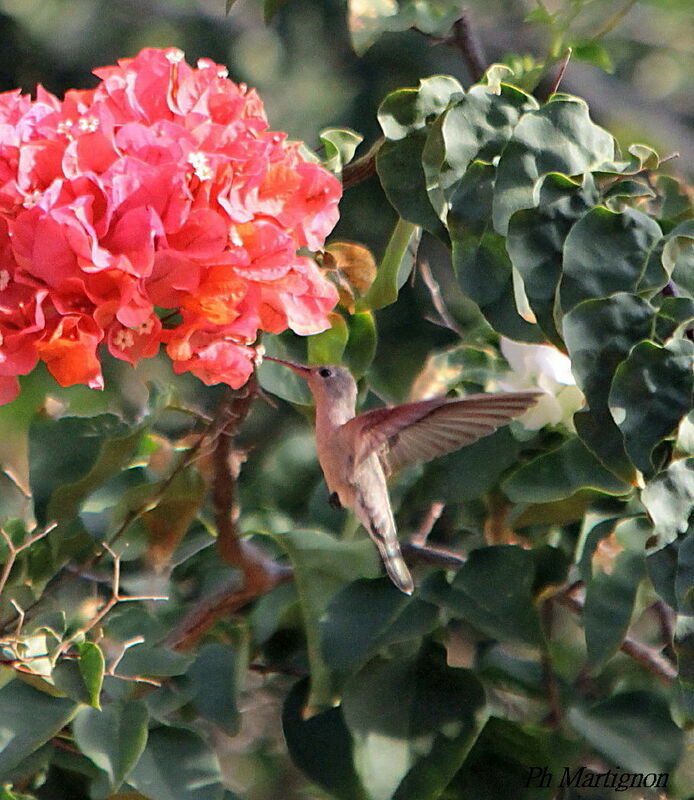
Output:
x=324 y=372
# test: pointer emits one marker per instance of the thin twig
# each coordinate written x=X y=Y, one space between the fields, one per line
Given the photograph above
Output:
x=648 y=657
x=113 y=600
x=561 y=69
x=466 y=39
x=420 y=536
x=414 y=554
x=13 y=551
x=548 y=676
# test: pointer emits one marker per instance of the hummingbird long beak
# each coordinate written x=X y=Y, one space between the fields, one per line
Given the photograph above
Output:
x=298 y=368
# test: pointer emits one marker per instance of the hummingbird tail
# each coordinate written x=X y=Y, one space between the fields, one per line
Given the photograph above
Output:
x=392 y=558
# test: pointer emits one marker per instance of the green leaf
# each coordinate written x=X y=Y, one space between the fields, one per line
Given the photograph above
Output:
x=28 y=719
x=328 y=346
x=367 y=616
x=480 y=259
x=669 y=499
x=114 y=738
x=476 y=126
x=599 y=335
x=177 y=765
x=413 y=721
x=561 y=473
x=69 y=457
x=678 y=256
x=494 y=591
x=91 y=664
x=674 y=315
x=469 y=472
x=611 y=595
x=323 y=566
x=607 y=252
x=321 y=745
x=361 y=343
x=405 y=111
x=535 y=242
x=68 y=680
x=503 y=756
x=397 y=264
x=178 y=502
x=594 y=53
x=339 y=146
x=279 y=380
x=632 y=729
x=558 y=137
x=216 y=675
x=405 y=116
x=651 y=392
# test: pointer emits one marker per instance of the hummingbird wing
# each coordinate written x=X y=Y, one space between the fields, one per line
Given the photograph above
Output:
x=417 y=432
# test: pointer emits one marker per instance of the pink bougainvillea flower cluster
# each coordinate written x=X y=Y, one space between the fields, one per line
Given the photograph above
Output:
x=154 y=209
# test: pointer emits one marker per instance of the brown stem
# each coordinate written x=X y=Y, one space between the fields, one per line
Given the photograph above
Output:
x=468 y=42
x=648 y=657
x=265 y=574
x=258 y=572
x=233 y=409
x=548 y=677
x=363 y=168
x=559 y=74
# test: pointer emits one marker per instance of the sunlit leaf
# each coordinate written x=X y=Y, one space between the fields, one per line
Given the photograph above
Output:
x=651 y=391
x=611 y=591
x=113 y=738
x=361 y=343
x=322 y=567
x=558 y=137
x=479 y=254
x=395 y=267
x=28 y=719
x=327 y=347
x=69 y=457
x=405 y=116
x=669 y=499
x=413 y=721
x=561 y=473
x=632 y=729
x=367 y=616
x=494 y=591
x=321 y=745
x=607 y=252
x=535 y=242
x=339 y=145
x=177 y=764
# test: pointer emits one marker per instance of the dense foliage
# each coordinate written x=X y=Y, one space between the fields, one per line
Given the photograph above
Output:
x=172 y=556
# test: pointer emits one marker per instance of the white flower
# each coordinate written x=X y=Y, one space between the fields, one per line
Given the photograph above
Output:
x=543 y=367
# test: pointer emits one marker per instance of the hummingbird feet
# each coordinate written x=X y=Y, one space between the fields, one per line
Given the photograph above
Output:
x=334 y=500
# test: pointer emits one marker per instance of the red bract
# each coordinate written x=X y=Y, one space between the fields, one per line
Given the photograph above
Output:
x=159 y=195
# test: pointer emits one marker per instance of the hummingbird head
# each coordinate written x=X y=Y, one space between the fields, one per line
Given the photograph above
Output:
x=328 y=383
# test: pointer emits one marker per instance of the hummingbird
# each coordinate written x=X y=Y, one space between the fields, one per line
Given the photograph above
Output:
x=357 y=452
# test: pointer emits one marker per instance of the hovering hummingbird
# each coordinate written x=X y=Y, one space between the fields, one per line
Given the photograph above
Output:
x=357 y=452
